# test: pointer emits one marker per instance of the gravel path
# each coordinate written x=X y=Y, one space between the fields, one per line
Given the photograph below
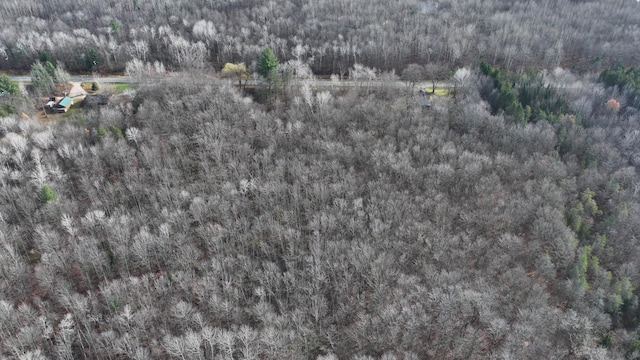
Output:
x=77 y=91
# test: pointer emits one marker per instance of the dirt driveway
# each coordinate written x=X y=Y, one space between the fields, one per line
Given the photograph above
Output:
x=77 y=91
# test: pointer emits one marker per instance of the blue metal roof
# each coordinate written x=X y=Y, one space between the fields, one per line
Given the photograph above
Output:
x=64 y=102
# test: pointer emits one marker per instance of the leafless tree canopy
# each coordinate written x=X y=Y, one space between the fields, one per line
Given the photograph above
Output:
x=334 y=34
x=191 y=219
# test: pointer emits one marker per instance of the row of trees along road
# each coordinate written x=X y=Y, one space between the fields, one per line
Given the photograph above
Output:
x=330 y=36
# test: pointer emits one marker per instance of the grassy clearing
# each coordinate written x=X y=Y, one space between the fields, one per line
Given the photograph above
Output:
x=117 y=88
x=121 y=87
x=440 y=91
x=76 y=108
x=87 y=86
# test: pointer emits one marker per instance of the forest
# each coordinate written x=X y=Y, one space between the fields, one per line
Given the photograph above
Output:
x=199 y=216
x=331 y=35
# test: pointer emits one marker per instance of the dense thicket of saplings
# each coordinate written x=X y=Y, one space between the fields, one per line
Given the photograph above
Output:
x=85 y=35
x=194 y=224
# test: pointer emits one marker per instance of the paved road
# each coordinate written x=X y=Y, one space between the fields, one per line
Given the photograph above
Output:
x=253 y=82
x=108 y=79
x=316 y=83
x=359 y=83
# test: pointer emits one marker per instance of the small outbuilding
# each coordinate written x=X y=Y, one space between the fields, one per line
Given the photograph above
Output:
x=425 y=102
x=424 y=99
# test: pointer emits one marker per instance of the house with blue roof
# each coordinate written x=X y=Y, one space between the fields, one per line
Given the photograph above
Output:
x=63 y=105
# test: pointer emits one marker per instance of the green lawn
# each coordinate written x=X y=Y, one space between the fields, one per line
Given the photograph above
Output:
x=118 y=87
x=74 y=109
x=440 y=91
x=121 y=87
